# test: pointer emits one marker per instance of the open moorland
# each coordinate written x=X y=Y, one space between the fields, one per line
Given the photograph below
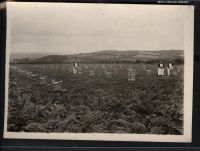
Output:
x=95 y=103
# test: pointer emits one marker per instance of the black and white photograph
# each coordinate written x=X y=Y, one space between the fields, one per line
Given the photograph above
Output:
x=89 y=71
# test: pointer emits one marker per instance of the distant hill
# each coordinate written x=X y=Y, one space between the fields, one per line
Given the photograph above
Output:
x=112 y=56
x=29 y=55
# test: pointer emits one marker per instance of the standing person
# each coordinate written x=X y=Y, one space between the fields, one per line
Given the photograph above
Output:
x=161 y=69
x=170 y=68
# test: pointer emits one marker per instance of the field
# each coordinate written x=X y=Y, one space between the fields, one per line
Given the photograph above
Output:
x=149 y=105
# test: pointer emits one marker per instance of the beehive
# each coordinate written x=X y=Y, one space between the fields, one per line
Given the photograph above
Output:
x=57 y=86
x=43 y=80
x=91 y=73
x=148 y=71
x=131 y=74
x=74 y=70
x=108 y=74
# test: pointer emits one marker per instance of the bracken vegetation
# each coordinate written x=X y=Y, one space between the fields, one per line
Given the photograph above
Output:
x=149 y=105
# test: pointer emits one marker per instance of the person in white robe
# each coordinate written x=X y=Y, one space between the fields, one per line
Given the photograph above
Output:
x=170 y=68
x=161 y=69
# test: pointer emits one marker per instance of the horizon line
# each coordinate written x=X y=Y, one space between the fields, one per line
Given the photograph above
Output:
x=95 y=51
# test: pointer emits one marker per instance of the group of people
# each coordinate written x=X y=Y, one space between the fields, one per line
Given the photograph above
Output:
x=170 y=69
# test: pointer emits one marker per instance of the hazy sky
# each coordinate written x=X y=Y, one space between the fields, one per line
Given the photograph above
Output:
x=77 y=28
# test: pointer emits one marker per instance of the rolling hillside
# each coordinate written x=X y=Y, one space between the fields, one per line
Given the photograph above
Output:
x=112 y=56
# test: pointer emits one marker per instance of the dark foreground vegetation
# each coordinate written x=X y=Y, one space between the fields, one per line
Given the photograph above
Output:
x=151 y=104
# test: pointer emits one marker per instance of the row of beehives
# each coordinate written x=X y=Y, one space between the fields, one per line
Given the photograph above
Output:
x=43 y=80
x=82 y=68
x=108 y=69
x=77 y=69
x=170 y=70
x=108 y=72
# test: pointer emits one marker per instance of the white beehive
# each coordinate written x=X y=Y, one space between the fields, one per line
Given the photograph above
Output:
x=131 y=74
x=108 y=74
x=103 y=66
x=79 y=70
x=34 y=75
x=148 y=72
x=57 y=86
x=76 y=65
x=53 y=80
x=86 y=67
x=74 y=70
x=43 y=80
x=91 y=73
